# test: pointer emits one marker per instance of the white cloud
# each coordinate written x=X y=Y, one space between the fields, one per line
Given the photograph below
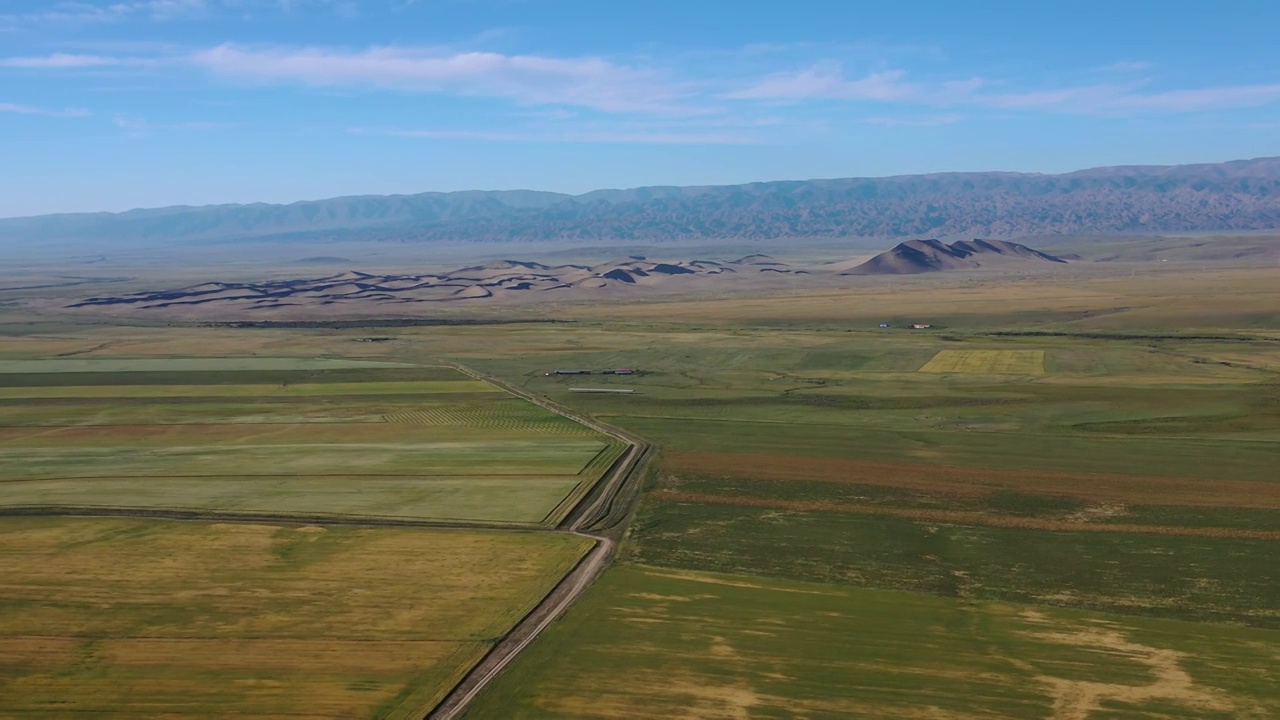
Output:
x=643 y=137
x=530 y=79
x=85 y=12
x=64 y=61
x=81 y=12
x=826 y=80
x=558 y=87
x=140 y=126
x=1124 y=67
x=931 y=121
x=19 y=109
x=1122 y=98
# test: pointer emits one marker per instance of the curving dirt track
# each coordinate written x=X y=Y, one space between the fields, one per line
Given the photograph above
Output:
x=597 y=514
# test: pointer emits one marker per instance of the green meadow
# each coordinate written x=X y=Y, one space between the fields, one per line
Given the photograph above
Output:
x=275 y=438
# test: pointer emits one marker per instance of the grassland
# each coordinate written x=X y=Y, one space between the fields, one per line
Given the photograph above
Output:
x=142 y=618
x=269 y=438
x=1075 y=475
x=652 y=642
x=830 y=532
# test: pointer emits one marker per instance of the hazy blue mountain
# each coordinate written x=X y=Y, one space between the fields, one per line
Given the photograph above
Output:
x=1239 y=195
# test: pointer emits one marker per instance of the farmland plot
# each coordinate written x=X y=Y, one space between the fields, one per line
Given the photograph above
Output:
x=710 y=645
x=140 y=618
x=353 y=439
x=1014 y=362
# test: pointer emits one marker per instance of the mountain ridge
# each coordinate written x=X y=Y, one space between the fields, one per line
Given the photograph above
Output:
x=1235 y=195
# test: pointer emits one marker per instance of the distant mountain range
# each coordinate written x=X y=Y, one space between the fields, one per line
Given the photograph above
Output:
x=1239 y=195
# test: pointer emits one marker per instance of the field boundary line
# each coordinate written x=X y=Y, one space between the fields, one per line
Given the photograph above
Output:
x=160 y=513
x=590 y=518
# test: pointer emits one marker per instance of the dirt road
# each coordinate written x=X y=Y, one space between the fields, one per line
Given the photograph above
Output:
x=594 y=516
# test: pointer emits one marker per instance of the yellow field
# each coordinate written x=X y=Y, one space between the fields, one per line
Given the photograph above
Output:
x=148 y=618
x=1011 y=362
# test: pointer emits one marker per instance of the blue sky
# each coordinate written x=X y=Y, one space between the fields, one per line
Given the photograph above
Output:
x=115 y=104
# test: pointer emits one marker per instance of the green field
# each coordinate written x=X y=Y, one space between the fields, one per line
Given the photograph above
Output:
x=650 y=642
x=139 y=618
x=318 y=439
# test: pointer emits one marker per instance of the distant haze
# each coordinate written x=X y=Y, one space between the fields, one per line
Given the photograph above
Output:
x=1240 y=195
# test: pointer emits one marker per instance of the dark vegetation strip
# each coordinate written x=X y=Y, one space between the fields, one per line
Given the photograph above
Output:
x=262 y=518
x=377 y=323
x=1215 y=579
x=964 y=517
x=227 y=377
x=1128 y=336
x=397 y=398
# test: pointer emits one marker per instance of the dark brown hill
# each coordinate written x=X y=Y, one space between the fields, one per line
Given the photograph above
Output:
x=919 y=256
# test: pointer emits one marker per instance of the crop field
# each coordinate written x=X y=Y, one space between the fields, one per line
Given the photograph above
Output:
x=1016 y=362
x=133 y=617
x=270 y=438
x=712 y=645
x=1063 y=516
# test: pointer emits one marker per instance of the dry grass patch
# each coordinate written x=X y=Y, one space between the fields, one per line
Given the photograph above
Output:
x=1005 y=362
x=135 y=617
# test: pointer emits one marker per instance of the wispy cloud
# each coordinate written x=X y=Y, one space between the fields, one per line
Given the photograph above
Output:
x=86 y=12
x=19 y=109
x=140 y=126
x=563 y=87
x=931 y=121
x=1124 y=67
x=641 y=137
x=61 y=61
x=591 y=82
x=117 y=11
x=1132 y=98
x=827 y=81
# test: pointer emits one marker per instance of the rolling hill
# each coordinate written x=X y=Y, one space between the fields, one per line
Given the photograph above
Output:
x=919 y=256
x=1239 y=195
x=509 y=279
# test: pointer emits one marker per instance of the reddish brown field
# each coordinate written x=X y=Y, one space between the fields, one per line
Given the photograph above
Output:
x=962 y=517
x=958 y=480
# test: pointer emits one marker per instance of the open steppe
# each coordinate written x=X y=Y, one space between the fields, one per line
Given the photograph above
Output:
x=1060 y=501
